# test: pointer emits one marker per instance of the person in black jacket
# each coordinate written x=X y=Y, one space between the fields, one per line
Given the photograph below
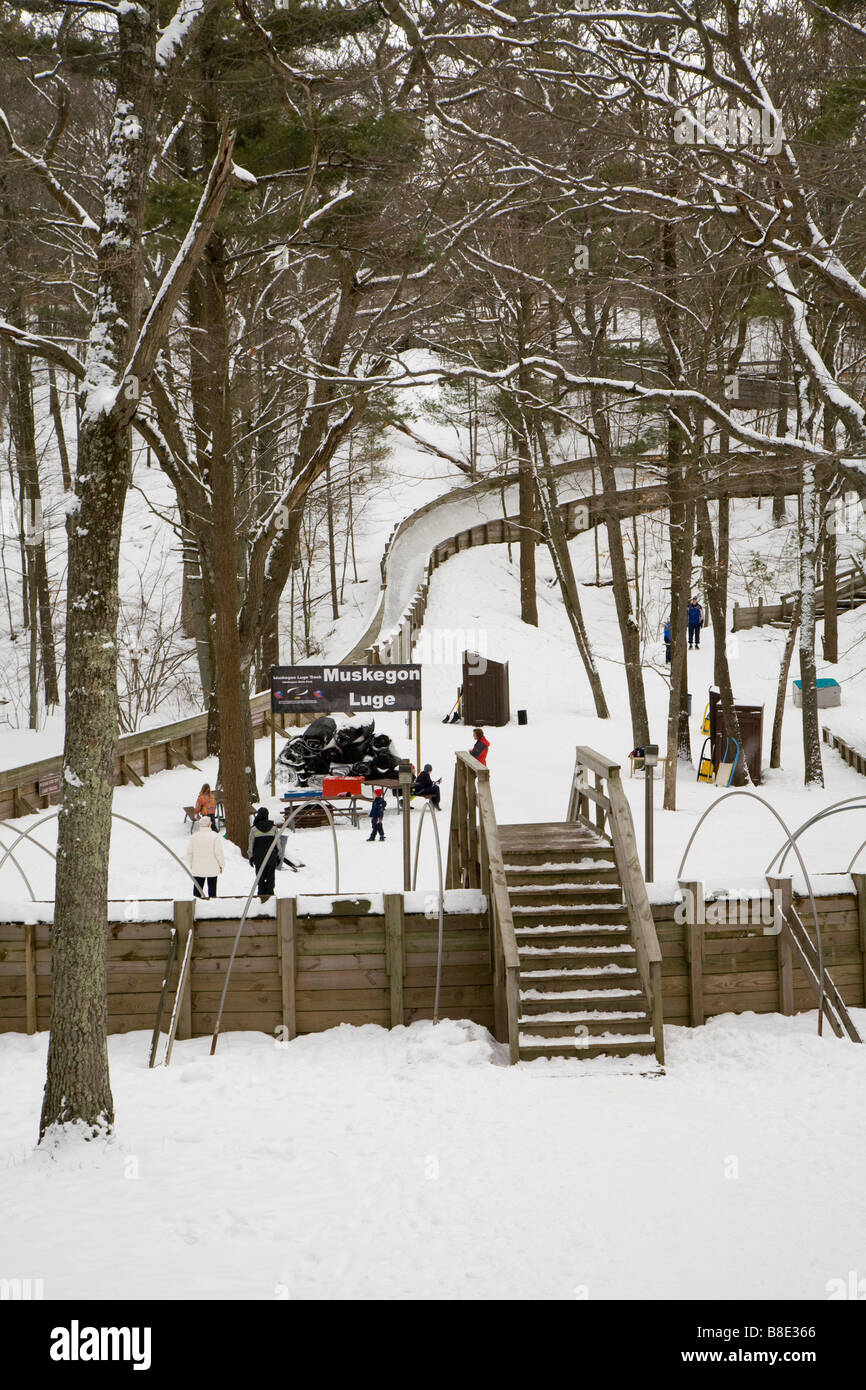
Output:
x=426 y=787
x=263 y=835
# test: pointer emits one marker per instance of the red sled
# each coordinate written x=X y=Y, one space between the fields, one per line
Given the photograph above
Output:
x=342 y=786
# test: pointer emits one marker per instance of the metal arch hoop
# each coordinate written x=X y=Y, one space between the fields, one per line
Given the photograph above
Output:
x=857 y=854
x=288 y=822
x=791 y=844
x=115 y=815
x=216 y=1029
x=14 y=859
x=326 y=808
x=428 y=806
x=836 y=808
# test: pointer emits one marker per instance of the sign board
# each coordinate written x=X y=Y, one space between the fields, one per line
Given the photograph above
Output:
x=344 y=689
x=50 y=785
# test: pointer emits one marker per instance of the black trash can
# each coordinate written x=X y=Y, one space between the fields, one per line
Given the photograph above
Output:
x=522 y=717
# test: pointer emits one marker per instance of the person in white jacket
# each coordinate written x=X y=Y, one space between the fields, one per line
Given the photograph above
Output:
x=206 y=857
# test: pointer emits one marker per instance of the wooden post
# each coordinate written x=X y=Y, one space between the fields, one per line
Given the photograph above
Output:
x=860 y=885
x=395 y=955
x=184 y=913
x=273 y=723
x=694 y=948
x=784 y=955
x=287 y=918
x=453 y=865
x=30 y=976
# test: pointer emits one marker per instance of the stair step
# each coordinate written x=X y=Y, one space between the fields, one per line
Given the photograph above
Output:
x=587 y=1000
x=553 y=843
x=579 y=977
x=536 y=950
x=534 y=1046
x=574 y=914
x=567 y=936
x=565 y=894
x=584 y=870
x=583 y=1026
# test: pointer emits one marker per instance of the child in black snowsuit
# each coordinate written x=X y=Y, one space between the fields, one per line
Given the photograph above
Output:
x=377 y=813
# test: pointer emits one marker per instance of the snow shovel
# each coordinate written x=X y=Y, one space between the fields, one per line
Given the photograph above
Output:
x=454 y=713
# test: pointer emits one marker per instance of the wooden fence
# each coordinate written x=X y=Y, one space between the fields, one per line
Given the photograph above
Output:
x=849 y=754
x=738 y=968
x=850 y=592
x=343 y=960
x=36 y=786
x=310 y=969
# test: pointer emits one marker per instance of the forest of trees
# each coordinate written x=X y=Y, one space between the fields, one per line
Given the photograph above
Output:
x=237 y=235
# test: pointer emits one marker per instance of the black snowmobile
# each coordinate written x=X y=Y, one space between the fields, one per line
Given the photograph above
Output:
x=323 y=748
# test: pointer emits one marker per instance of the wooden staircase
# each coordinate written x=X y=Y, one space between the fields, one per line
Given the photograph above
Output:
x=581 y=993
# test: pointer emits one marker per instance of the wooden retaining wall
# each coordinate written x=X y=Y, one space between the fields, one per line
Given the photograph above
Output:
x=306 y=971
x=138 y=756
x=849 y=754
x=735 y=969
x=312 y=970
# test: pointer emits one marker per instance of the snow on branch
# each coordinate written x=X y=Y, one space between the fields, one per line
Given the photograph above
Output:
x=46 y=348
x=175 y=37
x=38 y=166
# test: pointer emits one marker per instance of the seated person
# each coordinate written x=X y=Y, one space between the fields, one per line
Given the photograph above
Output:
x=426 y=787
x=206 y=805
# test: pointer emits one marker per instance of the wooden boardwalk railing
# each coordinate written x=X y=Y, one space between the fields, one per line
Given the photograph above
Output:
x=475 y=861
x=850 y=592
x=610 y=803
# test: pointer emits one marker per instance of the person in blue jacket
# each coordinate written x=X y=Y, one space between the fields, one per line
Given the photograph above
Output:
x=377 y=815
x=696 y=622
x=667 y=637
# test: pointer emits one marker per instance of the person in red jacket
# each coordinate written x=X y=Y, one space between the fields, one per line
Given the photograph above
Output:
x=480 y=746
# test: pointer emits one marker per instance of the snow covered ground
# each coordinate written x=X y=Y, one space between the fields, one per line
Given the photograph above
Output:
x=362 y=1163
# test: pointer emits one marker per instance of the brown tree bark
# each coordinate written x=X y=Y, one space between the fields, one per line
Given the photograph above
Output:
x=77 y=1087
x=781 y=689
x=629 y=629
x=557 y=544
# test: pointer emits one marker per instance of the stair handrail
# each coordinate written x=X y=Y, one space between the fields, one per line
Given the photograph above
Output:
x=612 y=805
x=475 y=861
x=803 y=951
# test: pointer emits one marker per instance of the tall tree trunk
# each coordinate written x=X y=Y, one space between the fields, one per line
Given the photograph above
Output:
x=59 y=432
x=23 y=430
x=722 y=674
x=629 y=629
x=226 y=594
x=557 y=544
x=77 y=1087
x=781 y=689
x=810 y=509
x=526 y=484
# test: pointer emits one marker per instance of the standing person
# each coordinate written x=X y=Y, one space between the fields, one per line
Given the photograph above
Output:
x=667 y=637
x=696 y=622
x=480 y=746
x=377 y=815
x=206 y=805
x=205 y=856
x=263 y=833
